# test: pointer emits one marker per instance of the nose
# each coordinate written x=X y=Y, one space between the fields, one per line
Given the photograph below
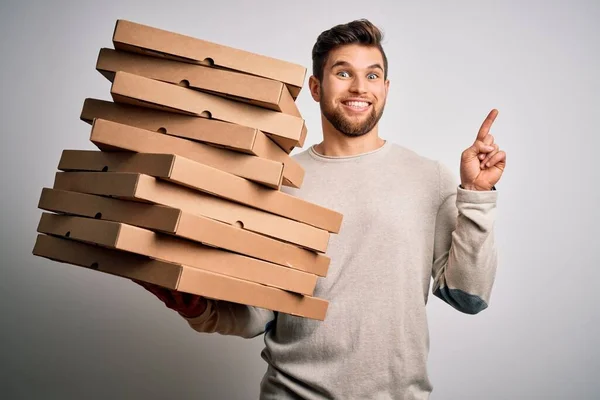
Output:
x=359 y=85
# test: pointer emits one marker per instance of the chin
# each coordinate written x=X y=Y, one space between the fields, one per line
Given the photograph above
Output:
x=354 y=134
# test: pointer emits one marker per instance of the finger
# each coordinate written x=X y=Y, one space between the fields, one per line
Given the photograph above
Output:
x=165 y=296
x=487 y=124
x=171 y=298
x=193 y=301
x=162 y=293
x=489 y=156
x=498 y=160
x=178 y=297
x=149 y=287
x=141 y=283
x=196 y=306
x=187 y=297
x=489 y=140
x=473 y=151
x=187 y=305
x=481 y=148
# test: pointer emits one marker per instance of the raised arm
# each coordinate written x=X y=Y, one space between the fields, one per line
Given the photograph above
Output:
x=465 y=255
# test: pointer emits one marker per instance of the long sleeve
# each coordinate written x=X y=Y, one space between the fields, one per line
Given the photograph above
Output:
x=465 y=255
x=229 y=318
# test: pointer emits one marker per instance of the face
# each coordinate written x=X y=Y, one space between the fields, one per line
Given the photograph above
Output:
x=353 y=90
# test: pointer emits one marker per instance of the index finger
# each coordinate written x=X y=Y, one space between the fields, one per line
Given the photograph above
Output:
x=487 y=124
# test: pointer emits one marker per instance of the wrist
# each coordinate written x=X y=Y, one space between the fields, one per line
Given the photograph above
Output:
x=194 y=312
x=476 y=188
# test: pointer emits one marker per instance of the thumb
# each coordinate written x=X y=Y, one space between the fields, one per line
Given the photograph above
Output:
x=477 y=148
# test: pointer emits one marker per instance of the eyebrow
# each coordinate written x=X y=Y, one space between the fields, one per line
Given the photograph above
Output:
x=347 y=64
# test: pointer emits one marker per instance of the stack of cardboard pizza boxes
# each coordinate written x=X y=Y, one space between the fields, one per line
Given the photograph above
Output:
x=185 y=190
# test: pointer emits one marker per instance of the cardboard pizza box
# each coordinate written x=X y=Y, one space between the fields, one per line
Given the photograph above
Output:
x=222 y=134
x=178 y=277
x=146 y=189
x=186 y=225
x=120 y=236
x=113 y=136
x=286 y=130
x=199 y=177
x=217 y=133
x=255 y=90
x=134 y=37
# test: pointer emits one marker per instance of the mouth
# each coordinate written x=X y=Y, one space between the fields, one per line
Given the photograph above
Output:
x=357 y=105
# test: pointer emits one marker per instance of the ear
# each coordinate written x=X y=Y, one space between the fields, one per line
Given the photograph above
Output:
x=387 y=87
x=315 y=88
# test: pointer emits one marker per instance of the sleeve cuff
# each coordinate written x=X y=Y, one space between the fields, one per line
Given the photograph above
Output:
x=476 y=196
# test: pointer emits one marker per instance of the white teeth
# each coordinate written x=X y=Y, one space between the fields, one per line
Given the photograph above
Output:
x=357 y=104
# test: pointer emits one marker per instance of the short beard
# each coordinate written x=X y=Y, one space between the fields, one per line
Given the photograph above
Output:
x=346 y=126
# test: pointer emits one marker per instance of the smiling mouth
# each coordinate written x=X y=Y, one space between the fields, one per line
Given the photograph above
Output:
x=356 y=104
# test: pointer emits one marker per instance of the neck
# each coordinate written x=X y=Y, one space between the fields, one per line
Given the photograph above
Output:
x=336 y=144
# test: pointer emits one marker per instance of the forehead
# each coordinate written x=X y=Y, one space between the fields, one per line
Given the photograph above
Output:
x=356 y=55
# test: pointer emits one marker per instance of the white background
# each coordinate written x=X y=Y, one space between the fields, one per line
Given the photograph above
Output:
x=69 y=333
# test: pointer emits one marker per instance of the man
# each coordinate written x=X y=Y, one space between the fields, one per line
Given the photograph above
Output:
x=406 y=221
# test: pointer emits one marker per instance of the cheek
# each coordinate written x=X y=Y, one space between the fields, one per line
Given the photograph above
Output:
x=380 y=93
x=334 y=89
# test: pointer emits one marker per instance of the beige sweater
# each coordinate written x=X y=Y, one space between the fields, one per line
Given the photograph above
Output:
x=406 y=222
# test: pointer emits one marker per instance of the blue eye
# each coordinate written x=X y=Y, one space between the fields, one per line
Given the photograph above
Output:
x=344 y=74
x=373 y=76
